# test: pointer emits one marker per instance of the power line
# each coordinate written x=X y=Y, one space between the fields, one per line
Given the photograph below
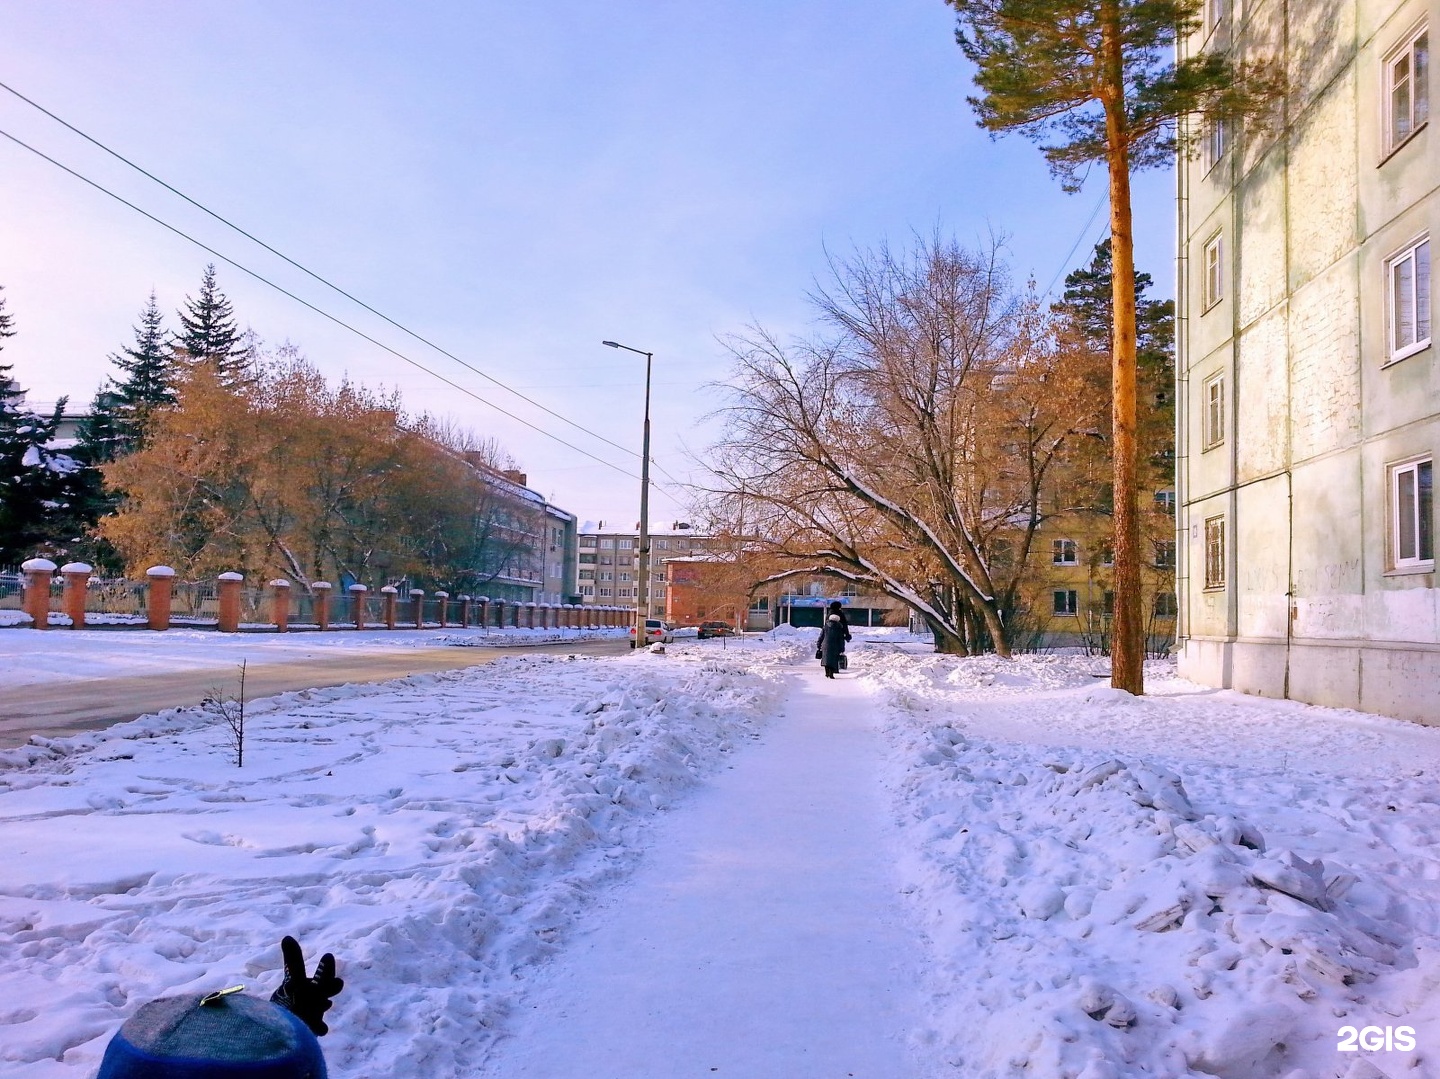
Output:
x=307 y=304
x=1104 y=197
x=311 y=273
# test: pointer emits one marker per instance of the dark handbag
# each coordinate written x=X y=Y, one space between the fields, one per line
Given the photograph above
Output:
x=844 y=661
x=817 y=653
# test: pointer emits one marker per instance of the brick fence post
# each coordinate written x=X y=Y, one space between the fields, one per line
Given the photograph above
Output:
x=280 y=604
x=77 y=580
x=529 y=614
x=417 y=599
x=389 y=592
x=38 y=574
x=482 y=618
x=229 y=612
x=157 y=600
x=465 y=612
x=357 y=597
x=321 y=591
x=443 y=600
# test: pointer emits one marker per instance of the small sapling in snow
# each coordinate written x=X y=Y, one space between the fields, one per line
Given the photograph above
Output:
x=230 y=709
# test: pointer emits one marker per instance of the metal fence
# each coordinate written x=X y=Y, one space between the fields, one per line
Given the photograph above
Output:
x=197 y=603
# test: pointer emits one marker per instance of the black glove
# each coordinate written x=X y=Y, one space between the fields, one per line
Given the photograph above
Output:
x=308 y=998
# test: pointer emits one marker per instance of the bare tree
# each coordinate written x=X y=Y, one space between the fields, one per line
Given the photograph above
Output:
x=907 y=448
x=230 y=710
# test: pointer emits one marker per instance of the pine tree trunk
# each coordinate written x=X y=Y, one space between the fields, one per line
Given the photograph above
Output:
x=1127 y=652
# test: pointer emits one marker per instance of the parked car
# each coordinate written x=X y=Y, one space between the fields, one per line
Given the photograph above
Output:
x=715 y=629
x=656 y=632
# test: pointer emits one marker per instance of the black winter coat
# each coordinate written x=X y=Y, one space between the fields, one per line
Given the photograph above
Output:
x=831 y=645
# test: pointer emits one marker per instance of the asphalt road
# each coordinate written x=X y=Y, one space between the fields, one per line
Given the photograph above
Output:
x=57 y=709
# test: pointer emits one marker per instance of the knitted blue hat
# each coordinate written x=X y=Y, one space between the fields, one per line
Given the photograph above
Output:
x=232 y=1037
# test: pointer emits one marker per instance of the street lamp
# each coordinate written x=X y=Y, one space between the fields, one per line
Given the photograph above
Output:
x=642 y=579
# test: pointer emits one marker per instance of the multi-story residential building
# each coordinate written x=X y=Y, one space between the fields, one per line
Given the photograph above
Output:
x=1067 y=596
x=1309 y=389
x=530 y=544
x=607 y=562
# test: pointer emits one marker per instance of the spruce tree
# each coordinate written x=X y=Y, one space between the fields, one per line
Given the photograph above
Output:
x=39 y=486
x=209 y=334
x=123 y=406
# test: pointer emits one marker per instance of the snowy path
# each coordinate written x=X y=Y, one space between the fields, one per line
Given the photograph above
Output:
x=763 y=936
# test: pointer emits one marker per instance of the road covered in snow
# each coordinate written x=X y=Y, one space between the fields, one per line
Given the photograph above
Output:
x=713 y=862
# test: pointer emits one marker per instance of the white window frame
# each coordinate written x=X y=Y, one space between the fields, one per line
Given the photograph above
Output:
x=1065 y=602
x=1421 y=517
x=1214 y=141
x=1065 y=552
x=1216 y=13
x=1416 y=83
x=1212 y=280
x=1417 y=254
x=1212 y=412
x=1215 y=553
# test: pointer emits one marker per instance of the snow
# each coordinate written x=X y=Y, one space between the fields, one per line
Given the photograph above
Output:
x=931 y=866
x=28 y=658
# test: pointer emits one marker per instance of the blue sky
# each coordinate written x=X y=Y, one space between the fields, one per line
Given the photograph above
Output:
x=516 y=181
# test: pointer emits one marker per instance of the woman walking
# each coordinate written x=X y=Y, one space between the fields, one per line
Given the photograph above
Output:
x=834 y=632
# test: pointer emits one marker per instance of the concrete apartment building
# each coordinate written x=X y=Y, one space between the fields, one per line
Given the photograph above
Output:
x=1309 y=393
x=608 y=561
x=534 y=542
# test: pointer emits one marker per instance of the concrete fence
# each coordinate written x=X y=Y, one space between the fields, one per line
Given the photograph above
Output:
x=279 y=606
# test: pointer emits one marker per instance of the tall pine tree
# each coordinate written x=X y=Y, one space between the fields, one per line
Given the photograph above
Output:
x=209 y=334
x=39 y=486
x=1101 y=82
x=1088 y=306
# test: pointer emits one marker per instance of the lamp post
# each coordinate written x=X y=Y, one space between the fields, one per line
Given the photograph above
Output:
x=642 y=578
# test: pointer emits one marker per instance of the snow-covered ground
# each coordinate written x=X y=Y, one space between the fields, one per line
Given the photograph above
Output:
x=29 y=658
x=1191 y=884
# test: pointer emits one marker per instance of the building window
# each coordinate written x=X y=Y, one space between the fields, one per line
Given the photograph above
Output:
x=625 y=544
x=1107 y=555
x=624 y=576
x=1214 y=283
x=1215 y=12
x=1215 y=552
x=1165 y=605
x=604 y=593
x=1165 y=502
x=1065 y=553
x=587 y=575
x=1412 y=514
x=587 y=589
x=1213 y=143
x=1066 y=601
x=607 y=575
x=1409 y=299
x=1165 y=554
x=607 y=544
x=587 y=559
x=623 y=593
x=1108 y=603
x=1407 y=89
x=1213 y=417
x=587 y=541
